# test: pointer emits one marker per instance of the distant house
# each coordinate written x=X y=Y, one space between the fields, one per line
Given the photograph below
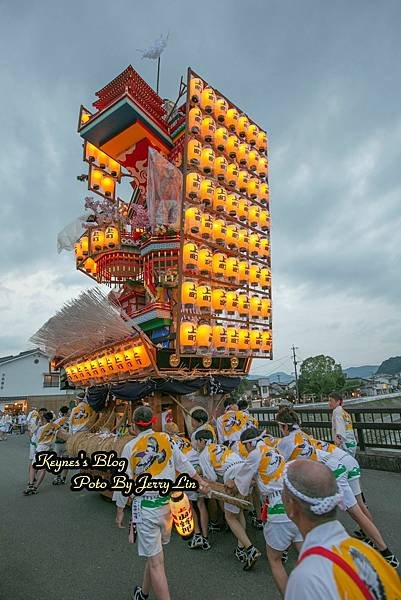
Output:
x=26 y=380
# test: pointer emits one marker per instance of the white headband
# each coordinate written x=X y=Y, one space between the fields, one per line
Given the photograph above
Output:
x=319 y=506
x=258 y=437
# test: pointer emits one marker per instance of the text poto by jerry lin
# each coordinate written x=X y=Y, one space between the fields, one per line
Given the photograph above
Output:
x=117 y=479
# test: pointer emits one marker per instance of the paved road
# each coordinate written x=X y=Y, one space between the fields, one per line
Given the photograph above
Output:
x=61 y=545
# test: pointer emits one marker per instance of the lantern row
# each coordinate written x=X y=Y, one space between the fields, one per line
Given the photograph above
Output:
x=208 y=339
x=100 y=159
x=122 y=360
x=100 y=239
x=224 y=302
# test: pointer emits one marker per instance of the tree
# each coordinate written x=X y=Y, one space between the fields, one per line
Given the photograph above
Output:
x=320 y=375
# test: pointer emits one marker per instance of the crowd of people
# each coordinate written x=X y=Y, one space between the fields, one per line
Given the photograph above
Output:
x=296 y=484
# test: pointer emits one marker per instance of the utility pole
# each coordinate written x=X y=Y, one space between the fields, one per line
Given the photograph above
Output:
x=296 y=373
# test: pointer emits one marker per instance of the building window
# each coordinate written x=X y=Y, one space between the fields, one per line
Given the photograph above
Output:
x=51 y=380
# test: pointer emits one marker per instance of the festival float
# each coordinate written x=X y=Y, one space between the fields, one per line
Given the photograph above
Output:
x=187 y=256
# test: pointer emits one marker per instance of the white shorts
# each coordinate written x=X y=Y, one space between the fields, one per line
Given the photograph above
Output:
x=32 y=452
x=281 y=535
x=355 y=485
x=155 y=530
x=230 y=474
x=348 y=495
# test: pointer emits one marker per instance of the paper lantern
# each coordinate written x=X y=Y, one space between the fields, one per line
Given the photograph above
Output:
x=243 y=272
x=205 y=261
x=84 y=245
x=219 y=338
x=220 y=168
x=117 y=359
x=108 y=184
x=193 y=220
x=219 y=300
x=256 y=340
x=141 y=357
x=255 y=307
x=219 y=231
x=232 y=236
x=114 y=168
x=219 y=198
x=204 y=298
x=252 y=134
x=111 y=237
x=207 y=226
x=208 y=100
x=220 y=110
x=193 y=183
x=242 y=211
x=195 y=89
x=265 y=278
x=243 y=178
x=190 y=256
x=204 y=337
x=262 y=167
x=232 y=300
x=242 y=154
x=207 y=160
x=232 y=146
x=253 y=158
x=188 y=336
x=242 y=126
x=264 y=193
x=194 y=152
x=232 y=175
x=266 y=340
x=207 y=192
x=96 y=178
x=188 y=294
x=232 y=204
x=254 y=244
x=264 y=247
x=264 y=220
x=181 y=512
x=220 y=138
x=254 y=274
x=261 y=142
x=232 y=269
x=208 y=129
x=90 y=266
x=78 y=251
x=91 y=152
x=253 y=188
x=219 y=263
x=253 y=215
x=231 y=119
x=102 y=159
x=232 y=340
x=266 y=308
x=243 y=240
x=194 y=120
x=97 y=240
x=243 y=341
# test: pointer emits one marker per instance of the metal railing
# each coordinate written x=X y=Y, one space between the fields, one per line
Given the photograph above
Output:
x=375 y=427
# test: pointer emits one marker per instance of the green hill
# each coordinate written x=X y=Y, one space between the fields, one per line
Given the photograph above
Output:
x=391 y=366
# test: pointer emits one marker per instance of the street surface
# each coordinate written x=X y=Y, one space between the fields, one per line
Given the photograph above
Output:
x=63 y=545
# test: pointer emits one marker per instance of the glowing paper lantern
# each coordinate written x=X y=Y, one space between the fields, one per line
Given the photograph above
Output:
x=220 y=138
x=194 y=120
x=207 y=160
x=219 y=198
x=266 y=308
x=261 y=142
x=266 y=340
x=111 y=237
x=242 y=211
x=253 y=158
x=219 y=262
x=188 y=336
x=264 y=220
x=242 y=154
x=204 y=298
x=254 y=274
x=114 y=168
x=91 y=152
x=243 y=341
x=102 y=159
x=220 y=168
x=219 y=338
x=118 y=361
x=206 y=227
x=181 y=512
x=243 y=178
x=253 y=188
x=195 y=89
x=243 y=272
x=108 y=184
x=97 y=240
x=205 y=261
x=232 y=204
x=207 y=192
x=243 y=240
x=141 y=357
x=232 y=175
x=90 y=266
x=231 y=119
x=264 y=247
x=208 y=129
x=252 y=134
x=84 y=245
x=96 y=179
x=232 y=146
x=256 y=340
x=188 y=294
x=219 y=231
x=232 y=269
x=232 y=300
x=193 y=183
x=242 y=126
x=255 y=307
x=190 y=256
x=218 y=300
x=254 y=244
x=220 y=110
x=194 y=152
x=78 y=251
x=264 y=192
x=232 y=236
x=193 y=220
x=262 y=167
x=204 y=337
x=232 y=340
x=253 y=215
x=265 y=278
x=208 y=100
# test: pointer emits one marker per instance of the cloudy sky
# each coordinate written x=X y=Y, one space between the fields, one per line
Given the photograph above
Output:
x=322 y=77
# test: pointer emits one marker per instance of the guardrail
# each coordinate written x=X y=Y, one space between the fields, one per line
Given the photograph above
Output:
x=375 y=427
